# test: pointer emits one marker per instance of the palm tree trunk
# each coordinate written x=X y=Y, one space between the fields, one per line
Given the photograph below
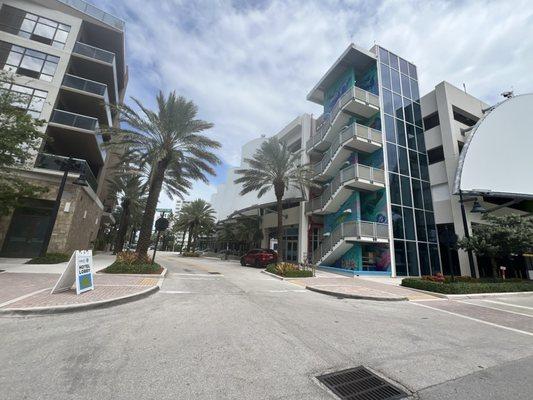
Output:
x=123 y=226
x=183 y=240
x=280 y=228
x=189 y=238
x=147 y=223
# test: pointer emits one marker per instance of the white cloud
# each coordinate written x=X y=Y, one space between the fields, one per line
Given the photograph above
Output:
x=249 y=69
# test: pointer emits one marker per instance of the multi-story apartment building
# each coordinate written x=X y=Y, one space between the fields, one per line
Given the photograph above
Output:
x=68 y=59
x=228 y=203
x=374 y=213
x=180 y=235
x=449 y=113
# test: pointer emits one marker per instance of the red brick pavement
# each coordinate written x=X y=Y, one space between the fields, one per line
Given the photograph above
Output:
x=107 y=287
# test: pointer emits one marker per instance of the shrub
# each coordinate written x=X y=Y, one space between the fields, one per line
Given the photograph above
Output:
x=133 y=268
x=467 y=287
x=434 y=278
x=288 y=270
x=190 y=254
x=50 y=258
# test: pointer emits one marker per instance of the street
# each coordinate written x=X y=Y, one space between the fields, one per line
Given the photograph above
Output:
x=217 y=330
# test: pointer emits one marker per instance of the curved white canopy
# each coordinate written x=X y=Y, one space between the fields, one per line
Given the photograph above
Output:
x=497 y=158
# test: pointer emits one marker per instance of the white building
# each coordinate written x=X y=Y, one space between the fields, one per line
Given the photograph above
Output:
x=448 y=114
x=228 y=202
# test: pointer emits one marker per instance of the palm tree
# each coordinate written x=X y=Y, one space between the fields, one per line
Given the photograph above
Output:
x=128 y=187
x=198 y=216
x=169 y=142
x=273 y=166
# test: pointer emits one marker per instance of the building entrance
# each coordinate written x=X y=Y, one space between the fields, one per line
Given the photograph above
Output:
x=27 y=229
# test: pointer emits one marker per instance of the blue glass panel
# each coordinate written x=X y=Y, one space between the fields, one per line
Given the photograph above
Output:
x=406 y=86
x=387 y=102
x=412 y=259
x=395 y=79
x=400 y=132
x=397 y=224
x=385 y=76
x=414 y=91
x=389 y=129
x=392 y=157
x=411 y=138
x=413 y=163
x=406 y=191
x=393 y=61
x=417 y=194
x=398 y=106
x=425 y=264
x=383 y=55
x=404 y=163
x=400 y=258
x=420 y=140
x=394 y=183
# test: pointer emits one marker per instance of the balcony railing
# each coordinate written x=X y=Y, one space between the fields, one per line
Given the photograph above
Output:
x=75 y=120
x=354 y=93
x=85 y=85
x=56 y=163
x=94 y=52
x=95 y=12
x=354 y=130
x=356 y=171
x=351 y=229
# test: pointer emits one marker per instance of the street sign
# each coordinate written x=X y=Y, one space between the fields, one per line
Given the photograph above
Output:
x=161 y=224
x=78 y=271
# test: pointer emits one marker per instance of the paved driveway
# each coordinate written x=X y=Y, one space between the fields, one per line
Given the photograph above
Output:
x=220 y=331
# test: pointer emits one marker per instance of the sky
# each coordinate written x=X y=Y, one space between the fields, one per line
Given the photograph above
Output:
x=249 y=65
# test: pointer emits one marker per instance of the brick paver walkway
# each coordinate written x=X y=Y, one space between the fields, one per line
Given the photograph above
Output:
x=28 y=290
x=360 y=287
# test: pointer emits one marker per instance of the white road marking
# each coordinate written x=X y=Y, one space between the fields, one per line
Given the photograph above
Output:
x=509 y=304
x=475 y=319
x=175 y=292
x=287 y=291
x=495 y=308
x=185 y=274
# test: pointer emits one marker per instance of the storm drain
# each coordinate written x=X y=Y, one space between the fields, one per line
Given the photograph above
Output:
x=214 y=273
x=360 y=384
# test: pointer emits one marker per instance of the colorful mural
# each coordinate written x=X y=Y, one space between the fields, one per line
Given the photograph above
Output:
x=345 y=82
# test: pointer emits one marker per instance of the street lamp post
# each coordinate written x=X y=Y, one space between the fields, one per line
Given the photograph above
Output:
x=81 y=181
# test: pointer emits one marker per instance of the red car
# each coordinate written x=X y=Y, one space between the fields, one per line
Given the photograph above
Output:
x=259 y=257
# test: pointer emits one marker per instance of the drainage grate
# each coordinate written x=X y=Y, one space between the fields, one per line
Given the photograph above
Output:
x=360 y=384
x=214 y=273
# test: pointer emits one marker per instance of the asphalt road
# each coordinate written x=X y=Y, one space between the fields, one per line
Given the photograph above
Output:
x=240 y=334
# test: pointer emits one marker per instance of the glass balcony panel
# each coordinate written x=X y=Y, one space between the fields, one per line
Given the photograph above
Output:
x=95 y=12
x=55 y=162
x=86 y=85
x=75 y=120
x=94 y=52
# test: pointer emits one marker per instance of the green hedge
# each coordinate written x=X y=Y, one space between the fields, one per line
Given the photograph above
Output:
x=133 y=268
x=50 y=258
x=469 y=287
x=190 y=254
x=290 y=274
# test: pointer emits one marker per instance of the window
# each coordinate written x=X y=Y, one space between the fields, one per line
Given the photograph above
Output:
x=27 y=62
x=435 y=155
x=399 y=257
x=425 y=265
x=394 y=182
x=413 y=162
x=412 y=71
x=412 y=259
x=383 y=55
x=406 y=87
x=26 y=98
x=464 y=117
x=400 y=132
x=389 y=129
x=393 y=61
x=395 y=75
x=392 y=157
x=431 y=121
x=420 y=140
x=411 y=138
x=397 y=222
x=406 y=191
x=385 y=76
x=34 y=27
x=387 y=102
x=403 y=66
x=420 y=225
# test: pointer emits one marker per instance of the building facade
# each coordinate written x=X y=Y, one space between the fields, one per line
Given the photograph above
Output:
x=228 y=203
x=67 y=59
x=374 y=213
x=449 y=113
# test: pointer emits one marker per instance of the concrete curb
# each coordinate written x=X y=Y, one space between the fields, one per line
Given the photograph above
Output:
x=282 y=278
x=80 y=307
x=354 y=296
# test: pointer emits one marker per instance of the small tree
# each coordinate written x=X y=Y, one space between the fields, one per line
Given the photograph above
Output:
x=19 y=140
x=502 y=237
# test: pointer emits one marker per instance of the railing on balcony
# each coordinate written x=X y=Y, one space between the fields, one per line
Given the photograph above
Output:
x=351 y=229
x=56 y=163
x=95 y=12
x=356 y=171
x=85 y=85
x=326 y=119
x=94 y=52
x=68 y=118
x=354 y=130
x=75 y=120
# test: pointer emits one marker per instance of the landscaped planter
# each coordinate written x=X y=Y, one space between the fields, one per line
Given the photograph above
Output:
x=468 y=287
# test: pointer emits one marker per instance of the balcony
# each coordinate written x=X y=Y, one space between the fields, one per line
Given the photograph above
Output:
x=54 y=162
x=95 y=12
x=345 y=235
x=94 y=53
x=84 y=85
x=77 y=133
x=354 y=101
x=355 y=137
x=354 y=177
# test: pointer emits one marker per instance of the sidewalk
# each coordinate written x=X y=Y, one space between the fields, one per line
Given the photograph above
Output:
x=368 y=288
x=25 y=289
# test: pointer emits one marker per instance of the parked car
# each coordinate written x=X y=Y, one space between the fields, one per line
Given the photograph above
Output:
x=259 y=257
